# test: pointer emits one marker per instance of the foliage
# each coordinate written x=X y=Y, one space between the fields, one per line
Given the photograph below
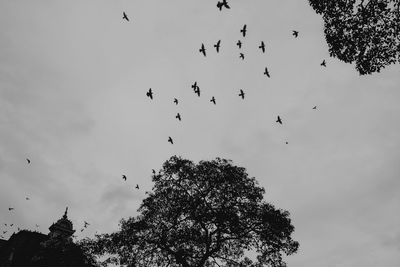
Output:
x=364 y=32
x=209 y=214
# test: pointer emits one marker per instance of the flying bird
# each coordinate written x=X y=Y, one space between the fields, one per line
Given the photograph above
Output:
x=217 y=45
x=125 y=16
x=213 y=100
x=203 y=49
x=11 y=224
x=150 y=94
x=219 y=5
x=279 y=120
x=194 y=86
x=266 y=72
x=124 y=177
x=241 y=56
x=178 y=116
x=137 y=186
x=27 y=198
x=244 y=30
x=241 y=93
x=170 y=140
x=224 y=3
x=239 y=44
x=323 y=63
x=287 y=142
x=176 y=101
x=86 y=224
x=28 y=160
x=295 y=34
x=197 y=91
x=315 y=107
x=262 y=46
x=10 y=209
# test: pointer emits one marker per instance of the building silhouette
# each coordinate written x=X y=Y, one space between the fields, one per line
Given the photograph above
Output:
x=34 y=249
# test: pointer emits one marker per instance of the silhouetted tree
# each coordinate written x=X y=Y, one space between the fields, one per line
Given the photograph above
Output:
x=205 y=214
x=364 y=32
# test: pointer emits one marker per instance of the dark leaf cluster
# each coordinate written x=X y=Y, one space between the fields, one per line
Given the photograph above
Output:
x=364 y=32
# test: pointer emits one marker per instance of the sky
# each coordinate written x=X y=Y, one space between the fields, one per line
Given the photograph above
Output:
x=73 y=83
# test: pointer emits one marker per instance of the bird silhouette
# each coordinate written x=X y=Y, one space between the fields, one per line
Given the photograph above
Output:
x=239 y=44
x=279 y=120
x=244 y=30
x=266 y=72
x=86 y=224
x=150 y=94
x=241 y=56
x=125 y=16
x=323 y=63
x=262 y=46
x=213 y=100
x=287 y=142
x=295 y=34
x=194 y=86
x=178 y=116
x=217 y=45
x=315 y=107
x=10 y=209
x=219 y=5
x=176 y=101
x=124 y=177
x=28 y=160
x=197 y=91
x=203 y=49
x=241 y=93
x=11 y=224
x=137 y=186
x=224 y=3
x=82 y=229
x=27 y=198
x=170 y=140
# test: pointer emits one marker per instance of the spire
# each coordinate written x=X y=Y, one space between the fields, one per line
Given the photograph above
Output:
x=65 y=214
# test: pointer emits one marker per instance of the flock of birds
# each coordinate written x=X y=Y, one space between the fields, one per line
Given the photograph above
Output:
x=196 y=89
x=217 y=47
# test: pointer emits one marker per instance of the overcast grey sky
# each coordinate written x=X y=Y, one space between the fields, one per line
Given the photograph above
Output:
x=73 y=83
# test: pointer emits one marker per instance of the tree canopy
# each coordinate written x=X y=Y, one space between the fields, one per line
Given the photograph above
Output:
x=205 y=214
x=364 y=32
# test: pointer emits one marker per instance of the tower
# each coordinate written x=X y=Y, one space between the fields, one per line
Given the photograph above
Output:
x=62 y=228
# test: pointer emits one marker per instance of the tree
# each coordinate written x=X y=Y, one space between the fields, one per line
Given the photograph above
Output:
x=364 y=32
x=205 y=214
